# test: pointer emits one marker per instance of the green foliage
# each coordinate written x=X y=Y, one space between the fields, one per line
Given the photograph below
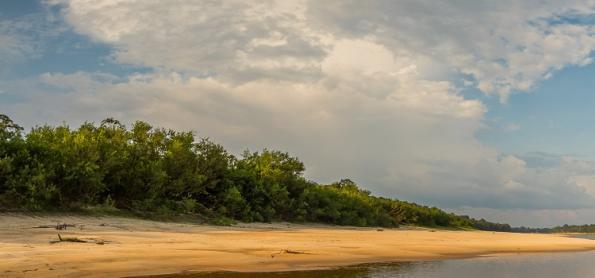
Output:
x=156 y=171
x=8 y=129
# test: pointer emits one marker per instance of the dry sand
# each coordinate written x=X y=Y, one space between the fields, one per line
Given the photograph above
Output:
x=137 y=247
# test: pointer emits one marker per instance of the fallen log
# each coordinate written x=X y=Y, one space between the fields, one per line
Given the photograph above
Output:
x=58 y=226
x=289 y=251
x=78 y=240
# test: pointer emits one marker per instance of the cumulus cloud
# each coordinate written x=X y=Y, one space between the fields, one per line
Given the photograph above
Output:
x=233 y=39
x=506 y=46
x=365 y=90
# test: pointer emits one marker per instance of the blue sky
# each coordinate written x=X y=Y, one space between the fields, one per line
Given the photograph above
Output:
x=483 y=108
x=61 y=49
x=556 y=117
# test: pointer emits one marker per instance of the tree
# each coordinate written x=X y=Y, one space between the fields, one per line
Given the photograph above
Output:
x=8 y=129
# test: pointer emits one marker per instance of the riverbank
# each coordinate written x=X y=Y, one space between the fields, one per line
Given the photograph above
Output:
x=116 y=247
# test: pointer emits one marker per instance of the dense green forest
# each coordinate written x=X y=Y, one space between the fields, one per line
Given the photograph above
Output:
x=148 y=171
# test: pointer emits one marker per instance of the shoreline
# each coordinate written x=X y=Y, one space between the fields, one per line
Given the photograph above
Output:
x=357 y=266
x=124 y=247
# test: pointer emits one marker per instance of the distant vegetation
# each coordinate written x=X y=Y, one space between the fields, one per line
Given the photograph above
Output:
x=559 y=229
x=154 y=171
x=572 y=229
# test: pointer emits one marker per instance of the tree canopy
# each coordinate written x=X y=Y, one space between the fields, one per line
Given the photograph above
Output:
x=154 y=170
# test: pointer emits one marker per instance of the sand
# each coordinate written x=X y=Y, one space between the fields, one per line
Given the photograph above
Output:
x=132 y=247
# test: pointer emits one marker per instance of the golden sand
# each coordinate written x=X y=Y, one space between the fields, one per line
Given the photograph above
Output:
x=131 y=247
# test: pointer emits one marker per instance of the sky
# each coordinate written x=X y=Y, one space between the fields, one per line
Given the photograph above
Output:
x=479 y=107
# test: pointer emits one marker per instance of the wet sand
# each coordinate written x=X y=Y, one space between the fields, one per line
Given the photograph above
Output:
x=117 y=247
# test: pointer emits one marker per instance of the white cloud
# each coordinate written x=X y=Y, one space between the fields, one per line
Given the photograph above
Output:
x=233 y=39
x=507 y=46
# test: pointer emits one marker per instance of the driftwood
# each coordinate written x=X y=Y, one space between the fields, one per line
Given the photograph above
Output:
x=43 y=227
x=70 y=239
x=289 y=251
x=29 y=270
x=78 y=240
x=58 y=226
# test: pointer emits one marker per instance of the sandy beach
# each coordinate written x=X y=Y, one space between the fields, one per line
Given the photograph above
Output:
x=117 y=247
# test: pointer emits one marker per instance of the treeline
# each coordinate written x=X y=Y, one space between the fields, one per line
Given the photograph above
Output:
x=149 y=170
x=573 y=229
x=589 y=228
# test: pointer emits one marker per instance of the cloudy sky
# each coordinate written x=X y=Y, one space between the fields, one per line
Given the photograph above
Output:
x=480 y=107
